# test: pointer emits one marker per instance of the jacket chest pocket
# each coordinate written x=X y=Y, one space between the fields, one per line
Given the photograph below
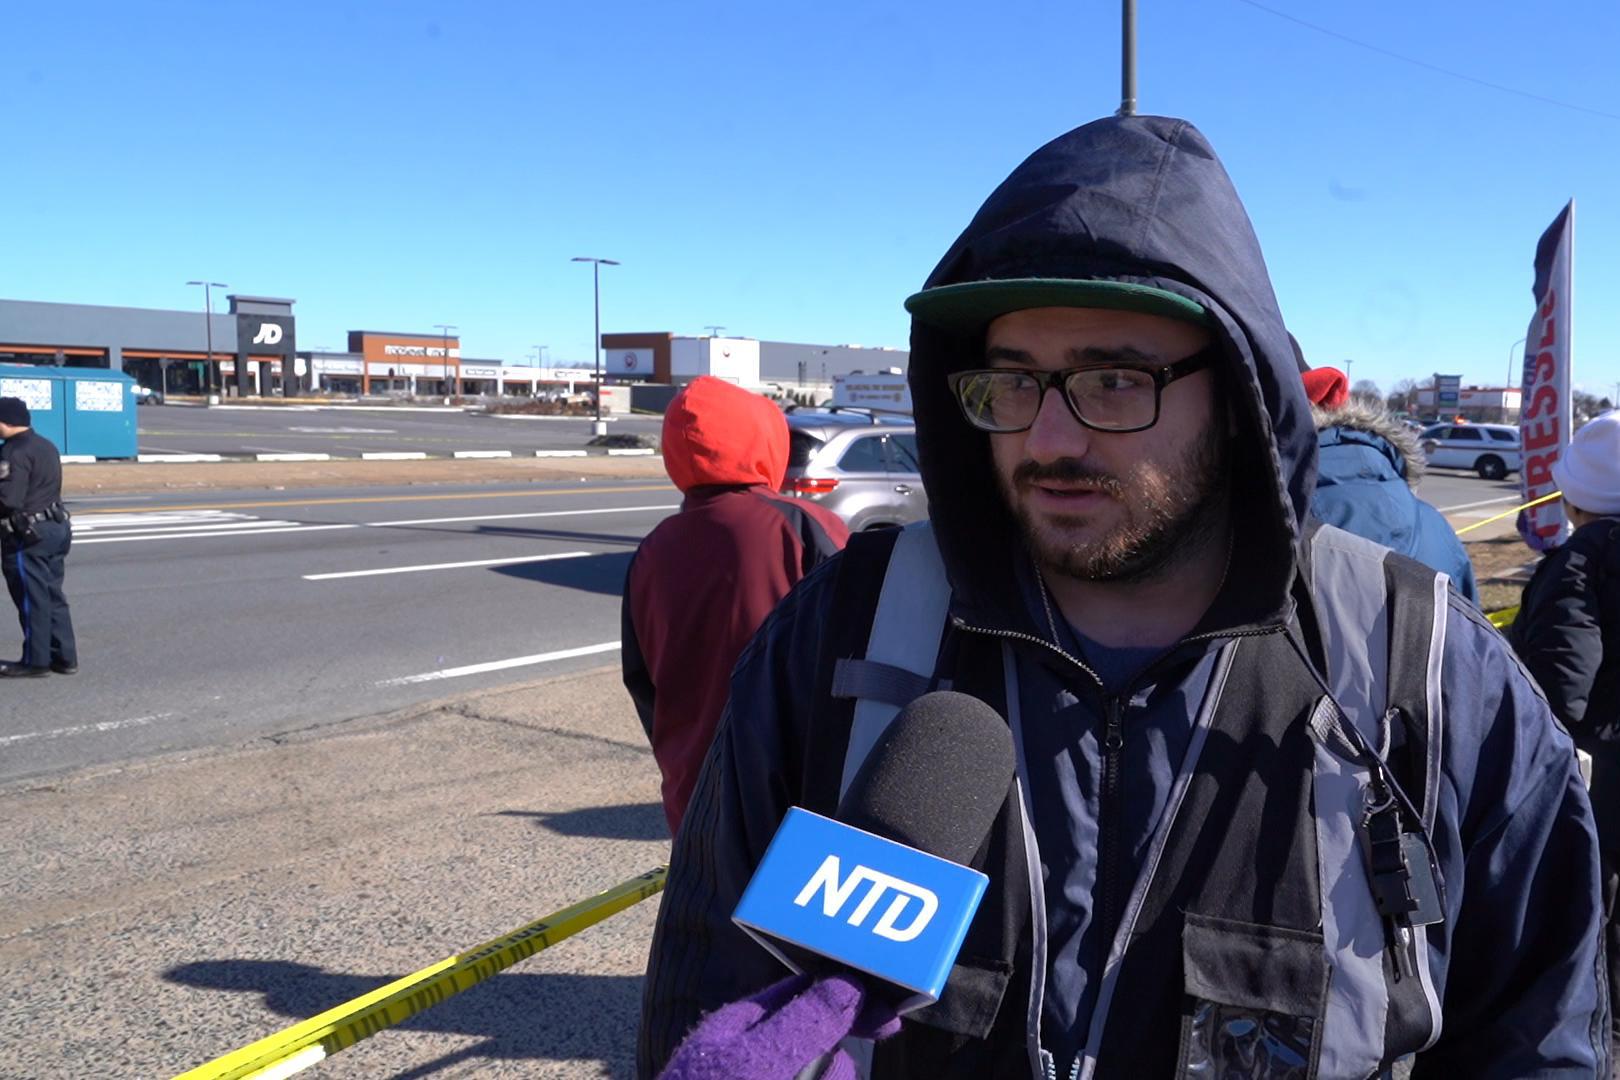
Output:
x=1253 y=1003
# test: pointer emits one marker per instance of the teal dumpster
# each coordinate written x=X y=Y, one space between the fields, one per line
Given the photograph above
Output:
x=86 y=412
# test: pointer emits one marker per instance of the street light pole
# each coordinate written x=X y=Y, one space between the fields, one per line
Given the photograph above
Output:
x=445 y=330
x=208 y=329
x=1514 y=355
x=599 y=427
x=1127 y=71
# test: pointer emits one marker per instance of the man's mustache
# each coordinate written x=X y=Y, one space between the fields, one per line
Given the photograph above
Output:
x=1066 y=471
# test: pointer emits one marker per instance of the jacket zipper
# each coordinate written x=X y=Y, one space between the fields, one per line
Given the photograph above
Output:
x=1108 y=810
x=1109 y=814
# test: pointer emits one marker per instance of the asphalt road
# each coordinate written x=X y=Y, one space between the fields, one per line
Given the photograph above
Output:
x=205 y=620
x=1464 y=498
x=351 y=431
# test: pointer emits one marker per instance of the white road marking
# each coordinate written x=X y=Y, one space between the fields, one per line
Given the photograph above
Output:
x=176 y=459
x=221 y=532
x=446 y=566
x=395 y=455
x=502 y=665
x=560 y=453
x=644 y=452
x=186 y=525
x=159 y=532
x=173 y=518
x=1482 y=502
x=82 y=729
x=344 y=430
x=513 y=517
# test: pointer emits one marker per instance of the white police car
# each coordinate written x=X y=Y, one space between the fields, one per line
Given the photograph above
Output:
x=1492 y=450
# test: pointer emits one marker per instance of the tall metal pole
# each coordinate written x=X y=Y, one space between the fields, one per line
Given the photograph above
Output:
x=1127 y=96
x=596 y=342
x=208 y=330
x=445 y=329
x=208 y=327
x=598 y=427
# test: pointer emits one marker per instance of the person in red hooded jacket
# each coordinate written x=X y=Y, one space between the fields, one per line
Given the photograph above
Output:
x=703 y=581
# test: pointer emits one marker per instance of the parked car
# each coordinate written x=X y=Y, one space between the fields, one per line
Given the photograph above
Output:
x=145 y=395
x=1492 y=450
x=858 y=463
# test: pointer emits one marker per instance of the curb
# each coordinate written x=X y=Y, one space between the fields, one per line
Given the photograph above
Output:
x=389 y=455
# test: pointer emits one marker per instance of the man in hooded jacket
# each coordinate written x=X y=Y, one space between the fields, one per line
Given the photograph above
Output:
x=703 y=580
x=1244 y=739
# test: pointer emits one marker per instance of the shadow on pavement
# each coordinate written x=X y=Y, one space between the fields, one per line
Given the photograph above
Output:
x=590 y=573
x=566 y=535
x=555 y=1017
x=639 y=821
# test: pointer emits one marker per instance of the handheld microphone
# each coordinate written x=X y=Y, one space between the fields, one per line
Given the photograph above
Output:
x=885 y=889
x=916 y=812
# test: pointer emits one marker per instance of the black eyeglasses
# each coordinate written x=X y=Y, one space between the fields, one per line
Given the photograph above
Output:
x=1118 y=399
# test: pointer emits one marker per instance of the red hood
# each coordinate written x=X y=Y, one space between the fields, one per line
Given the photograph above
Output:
x=718 y=433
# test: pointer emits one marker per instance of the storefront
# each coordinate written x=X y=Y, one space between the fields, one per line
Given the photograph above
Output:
x=173 y=352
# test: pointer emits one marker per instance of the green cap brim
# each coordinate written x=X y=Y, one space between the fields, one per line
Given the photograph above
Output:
x=972 y=305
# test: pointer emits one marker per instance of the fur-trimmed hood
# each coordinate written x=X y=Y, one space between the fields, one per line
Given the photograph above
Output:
x=1406 y=455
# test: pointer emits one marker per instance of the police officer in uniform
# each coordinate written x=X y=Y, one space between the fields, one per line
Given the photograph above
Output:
x=35 y=536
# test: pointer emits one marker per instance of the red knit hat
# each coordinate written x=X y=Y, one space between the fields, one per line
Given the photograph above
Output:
x=1328 y=388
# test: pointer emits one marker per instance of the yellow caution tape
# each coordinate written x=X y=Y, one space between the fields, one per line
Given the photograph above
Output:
x=1510 y=513
x=305 y=1043
x=1504 y=618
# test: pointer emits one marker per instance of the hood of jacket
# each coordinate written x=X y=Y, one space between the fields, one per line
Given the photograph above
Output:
x=717 y=434
x=1140 y=200
x=1358 y=423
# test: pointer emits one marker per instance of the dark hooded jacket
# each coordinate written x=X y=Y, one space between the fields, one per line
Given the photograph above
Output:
x=701 y=582
x=1142 y=200
x=1568 y=634
x=1367 y=466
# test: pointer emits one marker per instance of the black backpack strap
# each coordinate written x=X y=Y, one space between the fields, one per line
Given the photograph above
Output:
x=1417 y=612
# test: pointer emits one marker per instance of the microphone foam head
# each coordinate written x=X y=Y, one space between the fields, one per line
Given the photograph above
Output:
x=937 y=777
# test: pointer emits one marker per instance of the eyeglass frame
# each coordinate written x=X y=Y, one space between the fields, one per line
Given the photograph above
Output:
x=1162 y=377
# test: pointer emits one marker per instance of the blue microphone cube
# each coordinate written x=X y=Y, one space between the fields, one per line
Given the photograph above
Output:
x=892 y=911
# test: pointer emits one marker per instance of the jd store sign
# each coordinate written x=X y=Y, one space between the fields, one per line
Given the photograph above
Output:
x=264 y=335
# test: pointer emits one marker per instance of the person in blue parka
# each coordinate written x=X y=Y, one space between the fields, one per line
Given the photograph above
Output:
x=1367 y=466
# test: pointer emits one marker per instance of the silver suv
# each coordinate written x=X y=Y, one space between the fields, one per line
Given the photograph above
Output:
x=858 y=463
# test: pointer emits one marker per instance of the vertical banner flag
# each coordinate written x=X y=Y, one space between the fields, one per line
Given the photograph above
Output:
x=1545 y=411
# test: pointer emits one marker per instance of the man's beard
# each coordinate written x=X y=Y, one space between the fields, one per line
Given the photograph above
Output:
x=1170 y=512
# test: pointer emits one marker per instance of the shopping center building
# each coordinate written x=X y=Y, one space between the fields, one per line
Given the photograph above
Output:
x=252 y=349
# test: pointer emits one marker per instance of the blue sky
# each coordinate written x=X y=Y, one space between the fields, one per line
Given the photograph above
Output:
x=788 y=170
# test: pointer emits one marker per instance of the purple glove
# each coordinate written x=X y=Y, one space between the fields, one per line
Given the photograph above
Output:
x=782 y=1030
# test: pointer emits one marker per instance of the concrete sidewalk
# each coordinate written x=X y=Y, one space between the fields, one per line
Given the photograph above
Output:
x=159 y=914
